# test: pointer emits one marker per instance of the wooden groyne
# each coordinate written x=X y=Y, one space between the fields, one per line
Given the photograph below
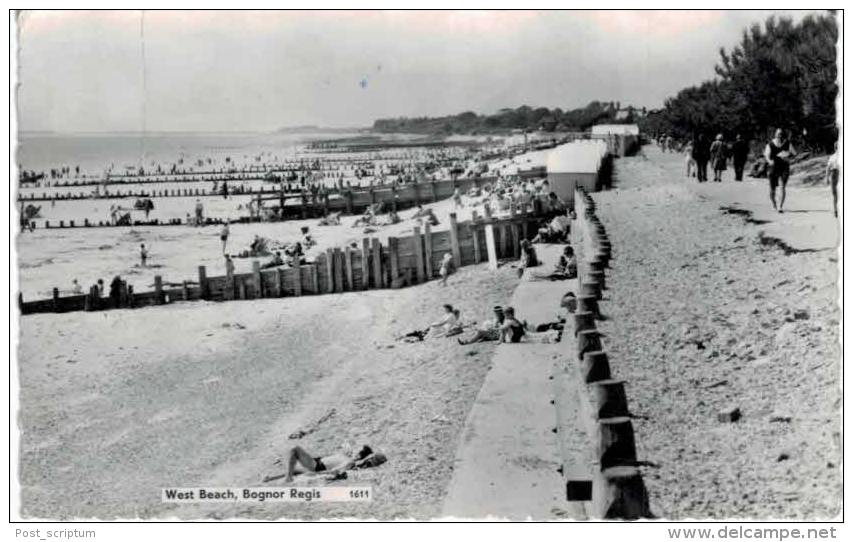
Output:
x=617 y=489
x=297 y=206
x=402 y=261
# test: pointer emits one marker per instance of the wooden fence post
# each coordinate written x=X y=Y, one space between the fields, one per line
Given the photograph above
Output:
x=339 y=270
x=610 y=398
x=428 y=250
x=595 y=367
x=329 y=260
x=394 y=255
x=491 y=247
x=185 y=291
x=619 y=493
x=88 y=301
x=315 y=278
x=278 y=283
x=202 y=282
x=616 y=442
x=454 y=242
x=56 y=300
x=377 y=263
x=365 y=263
x=419 y=254
x=256 y=279
x=297 y=284
x=348 y=264
x=475 y=236
x=158 y=290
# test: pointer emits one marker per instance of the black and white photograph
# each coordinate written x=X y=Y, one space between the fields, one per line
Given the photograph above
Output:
x=427 y=265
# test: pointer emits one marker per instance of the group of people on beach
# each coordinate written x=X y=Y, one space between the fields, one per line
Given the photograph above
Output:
x=503 y=326
x=699 y=154
x=776 y=156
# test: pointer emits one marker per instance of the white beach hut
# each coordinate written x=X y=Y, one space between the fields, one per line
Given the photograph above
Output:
x=575 y=164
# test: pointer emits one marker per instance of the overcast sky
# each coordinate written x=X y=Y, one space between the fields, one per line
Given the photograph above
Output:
x=248 y=71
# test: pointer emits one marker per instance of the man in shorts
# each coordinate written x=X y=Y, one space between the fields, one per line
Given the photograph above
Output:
x=778 y=154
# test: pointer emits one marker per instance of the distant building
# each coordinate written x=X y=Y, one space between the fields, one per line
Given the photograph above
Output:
x=616 y=129
x=622 y=139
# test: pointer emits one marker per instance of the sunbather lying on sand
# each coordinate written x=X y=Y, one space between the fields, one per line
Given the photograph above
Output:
x=333 y=219
x=300 y=461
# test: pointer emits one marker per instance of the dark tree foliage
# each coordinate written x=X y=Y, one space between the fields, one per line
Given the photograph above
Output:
x=522 y=118
x=781 y=75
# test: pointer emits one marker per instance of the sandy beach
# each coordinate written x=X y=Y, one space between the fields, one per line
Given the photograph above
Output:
x=52 y=258
x=209 y=393
x=705 y=317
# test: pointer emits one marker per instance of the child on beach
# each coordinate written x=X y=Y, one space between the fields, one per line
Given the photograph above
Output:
x=445 y=325
x=199 y=213
x=511 y=330
x=229 y=265
x=143 y=254
x=528 y=257
x=445 y=267
x=75 y=287
x=223 y=236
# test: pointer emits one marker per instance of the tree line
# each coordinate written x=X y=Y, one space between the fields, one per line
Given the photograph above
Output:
x=781 y=75
x=522 y=118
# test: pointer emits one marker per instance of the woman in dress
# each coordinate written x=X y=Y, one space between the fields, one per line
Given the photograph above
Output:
x=719 y=156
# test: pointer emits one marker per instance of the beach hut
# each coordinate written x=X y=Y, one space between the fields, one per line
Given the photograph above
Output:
x=575 y=164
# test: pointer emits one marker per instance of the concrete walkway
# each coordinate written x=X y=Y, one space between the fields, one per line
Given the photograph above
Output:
x=507 y=463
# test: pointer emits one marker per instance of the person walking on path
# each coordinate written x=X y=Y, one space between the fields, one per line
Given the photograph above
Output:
x=689 y=161
x=701 y=155
x=832 y=175
x=740 y=153
x=778 y=154
x=719 y=157
x=223 y=236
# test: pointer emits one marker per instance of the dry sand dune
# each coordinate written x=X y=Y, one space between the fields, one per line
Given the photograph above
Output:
x=705 y=317
x=208 y=394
